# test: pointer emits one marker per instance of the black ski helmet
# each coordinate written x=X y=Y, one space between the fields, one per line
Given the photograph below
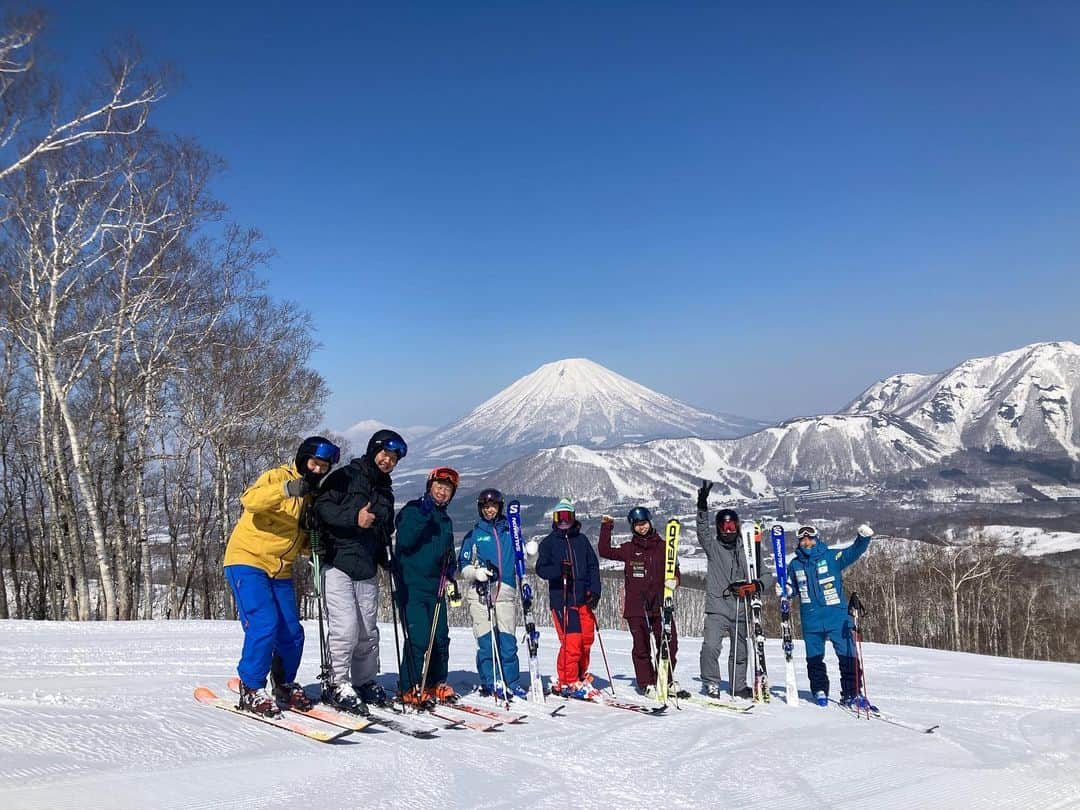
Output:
x=487 y=496
x=316 y=447
x=637 y=515
x=727 y=514
x=386 y=440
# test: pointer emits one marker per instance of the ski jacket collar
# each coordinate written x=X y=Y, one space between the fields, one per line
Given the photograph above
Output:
x=377 y=476
x=573 y=531
x=816 y=551
x=648 y=541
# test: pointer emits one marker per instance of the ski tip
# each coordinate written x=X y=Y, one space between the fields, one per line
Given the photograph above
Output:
x=205 y=694
x=233 y=684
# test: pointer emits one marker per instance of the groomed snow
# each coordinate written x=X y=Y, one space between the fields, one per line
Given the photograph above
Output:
x=101 y=716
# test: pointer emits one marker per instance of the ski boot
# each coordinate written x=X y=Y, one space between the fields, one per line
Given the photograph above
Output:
x=258 y=701
x=858 y=703
x=821 y=698
x=583 y=690
x=747 y=693
x=344 y=698
x=677 y=691
x=373 y=694
x=444 y=693
x=712 y=690
x=292 y=695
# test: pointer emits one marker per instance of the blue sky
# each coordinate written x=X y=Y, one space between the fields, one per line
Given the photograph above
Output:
x=760 y=211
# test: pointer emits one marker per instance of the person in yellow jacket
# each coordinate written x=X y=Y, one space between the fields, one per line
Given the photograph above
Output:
x=258 y=567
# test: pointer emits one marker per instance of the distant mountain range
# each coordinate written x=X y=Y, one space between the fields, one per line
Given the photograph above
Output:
x=1024 y=402
x=568 y=402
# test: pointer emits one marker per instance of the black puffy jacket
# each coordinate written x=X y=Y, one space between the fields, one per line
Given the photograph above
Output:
x=356 y=551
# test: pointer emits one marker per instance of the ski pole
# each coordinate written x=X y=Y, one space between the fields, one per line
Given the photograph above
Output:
x=496 y=657
x=439 y=596
x=326 y=673
x=855 y=607
x=603 y=652
x=405 y=648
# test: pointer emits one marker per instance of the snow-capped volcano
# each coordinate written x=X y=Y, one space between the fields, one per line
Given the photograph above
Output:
x=574 y=401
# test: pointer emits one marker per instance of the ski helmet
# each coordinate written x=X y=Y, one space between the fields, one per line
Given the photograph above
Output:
x=444 y=475
x=639 y=514
x=727 y=516
x=387 y=440
x=489 y=496
x=316 y=447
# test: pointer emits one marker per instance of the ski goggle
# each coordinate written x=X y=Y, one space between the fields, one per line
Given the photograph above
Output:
x=446 y=475
x=328 y=452
x=396 y=446
x=727 y=524
x=564 y=516
x=806 y=531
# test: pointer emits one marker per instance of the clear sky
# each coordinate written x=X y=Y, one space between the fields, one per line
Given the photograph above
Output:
x=758 y=210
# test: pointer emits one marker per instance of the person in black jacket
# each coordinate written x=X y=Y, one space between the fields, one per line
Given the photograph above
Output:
x=355 y=510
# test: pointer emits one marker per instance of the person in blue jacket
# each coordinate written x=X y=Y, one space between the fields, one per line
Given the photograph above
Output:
x=569 y=564
x=486 y=560
x=814 y=574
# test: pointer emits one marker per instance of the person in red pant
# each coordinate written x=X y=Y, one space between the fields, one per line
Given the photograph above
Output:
x=642 y=557
x=570 y=566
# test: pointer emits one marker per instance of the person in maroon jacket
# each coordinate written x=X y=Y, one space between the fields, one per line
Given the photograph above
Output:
x=643 y=567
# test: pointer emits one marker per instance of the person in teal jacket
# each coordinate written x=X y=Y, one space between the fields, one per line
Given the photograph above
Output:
x=487 y=560
x=424 y=560
x=815 y=575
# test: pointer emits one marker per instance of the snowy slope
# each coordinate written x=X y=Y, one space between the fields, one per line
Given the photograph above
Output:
x=101 y=716
x=1026 y=400
x=574 y=401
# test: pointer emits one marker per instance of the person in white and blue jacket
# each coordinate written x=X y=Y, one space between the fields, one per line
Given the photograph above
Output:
x=815 y=575
x=486 y=563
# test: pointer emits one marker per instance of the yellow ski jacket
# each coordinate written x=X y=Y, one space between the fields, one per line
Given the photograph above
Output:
x=268 y=534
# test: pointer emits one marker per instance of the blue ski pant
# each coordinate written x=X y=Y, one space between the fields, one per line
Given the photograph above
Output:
x=504 y=612
x=267 y=609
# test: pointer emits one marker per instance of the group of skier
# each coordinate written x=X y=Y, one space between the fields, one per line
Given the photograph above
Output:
x=346 y=521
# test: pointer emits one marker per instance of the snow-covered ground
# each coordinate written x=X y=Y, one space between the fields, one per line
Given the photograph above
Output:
x=102 y=715
x=1033 y=541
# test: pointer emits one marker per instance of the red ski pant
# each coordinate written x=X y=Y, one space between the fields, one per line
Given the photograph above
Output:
x=644 y=658
x=575 y=641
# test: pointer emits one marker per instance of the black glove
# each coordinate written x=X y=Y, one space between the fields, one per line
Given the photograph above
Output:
x=592 y=600
x=297 y=488
x=568 y=570
x=703 y=494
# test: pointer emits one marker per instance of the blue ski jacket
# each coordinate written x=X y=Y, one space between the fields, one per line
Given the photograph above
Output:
x=490 y=542
x=814 y=574
x=568 y=544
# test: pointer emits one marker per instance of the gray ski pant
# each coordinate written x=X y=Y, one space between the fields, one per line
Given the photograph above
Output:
x=352 y=630
x=717 y=628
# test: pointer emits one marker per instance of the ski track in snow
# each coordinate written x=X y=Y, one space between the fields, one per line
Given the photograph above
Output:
x=102 y=715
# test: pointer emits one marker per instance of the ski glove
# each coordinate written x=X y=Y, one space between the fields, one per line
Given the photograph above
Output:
x=427 y=503
x=480 y=574
x=532 y=548
x=297 y=488
x=592 y=600
x=865 y=531
x=703 y=494
x=671 y=584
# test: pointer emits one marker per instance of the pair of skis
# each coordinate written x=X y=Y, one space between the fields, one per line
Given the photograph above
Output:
x=751 y=542
x=664 y=672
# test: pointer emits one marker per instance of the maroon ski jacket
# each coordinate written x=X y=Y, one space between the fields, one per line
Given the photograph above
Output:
x=643 y=567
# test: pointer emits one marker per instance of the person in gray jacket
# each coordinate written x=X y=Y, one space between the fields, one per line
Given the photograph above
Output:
x=726 y=564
